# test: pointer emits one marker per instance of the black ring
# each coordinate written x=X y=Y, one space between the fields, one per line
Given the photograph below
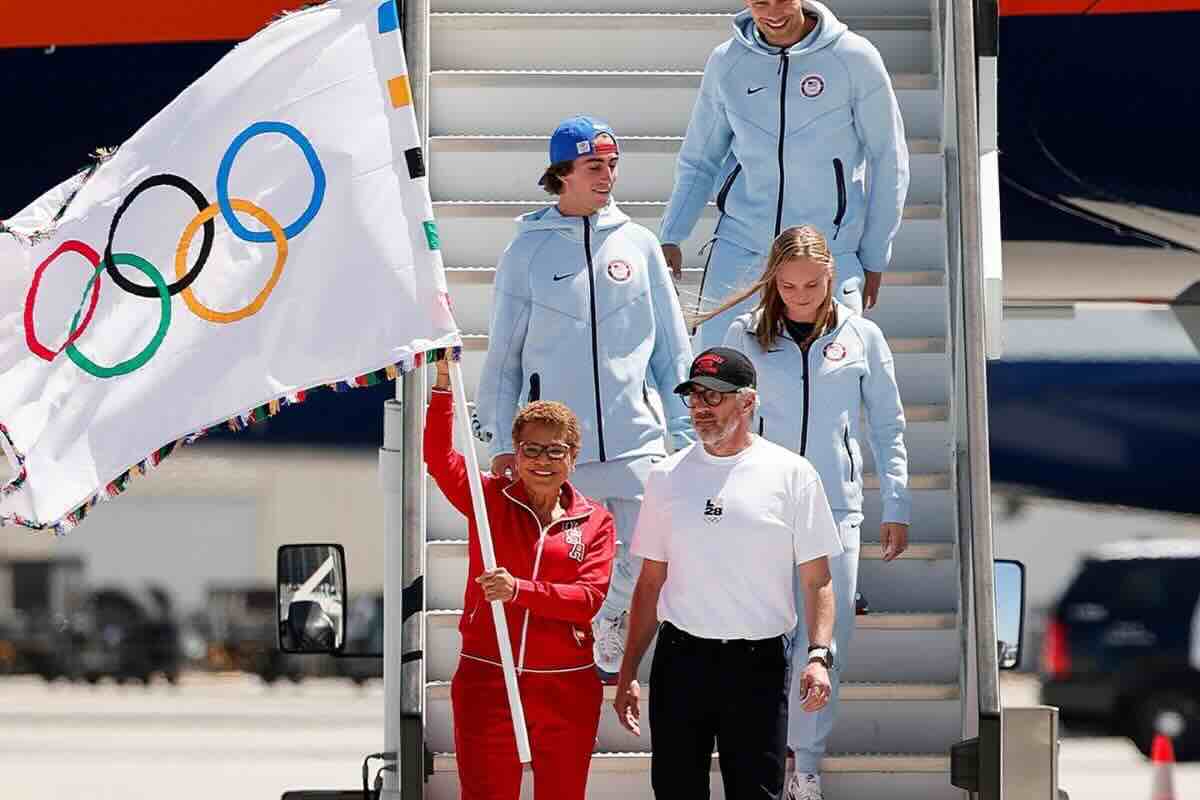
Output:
x=188 y=188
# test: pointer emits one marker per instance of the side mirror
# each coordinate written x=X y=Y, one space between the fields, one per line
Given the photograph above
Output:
x=1010 y=611
x=311 y=598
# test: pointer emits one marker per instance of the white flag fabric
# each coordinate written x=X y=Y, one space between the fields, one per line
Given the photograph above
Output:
x=268 y=232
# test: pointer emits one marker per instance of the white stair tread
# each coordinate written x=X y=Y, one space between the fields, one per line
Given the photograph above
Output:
x=514 y=208
x=692 y=275
x=841 y=762
x=670 y=20
x=921 y=344
x=872 y=551
x=890 y=620
x=852 y=692
x=902 y=81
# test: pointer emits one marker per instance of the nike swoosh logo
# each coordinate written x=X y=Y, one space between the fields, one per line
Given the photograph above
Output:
x=560 y=277
x=752 y=91
x=776 y=350
x=849 y=291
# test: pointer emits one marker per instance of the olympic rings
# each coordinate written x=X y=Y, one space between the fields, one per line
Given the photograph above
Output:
x=281 y=251
x=185 y=186
x=226 y=167
x=184 y=276
x=125 y=367
x=72 y=246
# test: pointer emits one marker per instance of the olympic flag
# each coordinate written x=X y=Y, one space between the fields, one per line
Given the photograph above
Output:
x=268 y=232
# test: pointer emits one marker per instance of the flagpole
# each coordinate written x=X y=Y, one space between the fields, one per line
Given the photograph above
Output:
x=462 y=421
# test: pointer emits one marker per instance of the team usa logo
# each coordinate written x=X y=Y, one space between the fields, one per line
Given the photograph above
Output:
x=812 y=86
x=620 y=271
x=713 y=509
x=834 y=351
x=573 y=536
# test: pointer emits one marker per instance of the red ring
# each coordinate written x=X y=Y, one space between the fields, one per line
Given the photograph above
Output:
x=73 y=246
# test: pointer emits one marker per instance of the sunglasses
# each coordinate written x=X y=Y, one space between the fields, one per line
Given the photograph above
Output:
x=710 y=397
x=552 y=451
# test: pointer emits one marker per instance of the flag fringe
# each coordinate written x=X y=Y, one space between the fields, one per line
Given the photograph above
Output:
x=237 y=422
x=31 y=238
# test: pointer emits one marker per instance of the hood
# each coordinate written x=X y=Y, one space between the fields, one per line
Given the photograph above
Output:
x=551 y=219
x=828 y=31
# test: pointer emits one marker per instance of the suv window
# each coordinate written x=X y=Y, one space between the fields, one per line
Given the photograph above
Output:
x=1137 y=586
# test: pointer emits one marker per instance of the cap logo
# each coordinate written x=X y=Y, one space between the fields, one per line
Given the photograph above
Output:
x=620 y=271
x=605 y=148
x=583 y=147
x=708 y=364
x=812 y=86
x=834 y=351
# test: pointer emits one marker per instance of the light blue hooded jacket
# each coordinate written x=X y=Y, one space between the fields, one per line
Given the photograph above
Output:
x=833 y=97
x=813 y=407
x=585 y=313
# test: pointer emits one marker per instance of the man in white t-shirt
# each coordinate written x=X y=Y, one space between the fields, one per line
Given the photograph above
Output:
x=724 y=530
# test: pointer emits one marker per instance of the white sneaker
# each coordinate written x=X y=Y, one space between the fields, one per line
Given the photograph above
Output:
x=610 y=641
x=804 y=787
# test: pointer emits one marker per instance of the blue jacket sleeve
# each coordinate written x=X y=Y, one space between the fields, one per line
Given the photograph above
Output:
x=671 y=358
x=698 y=167
x=500 y=381
x=880 y=128
x=885 y=416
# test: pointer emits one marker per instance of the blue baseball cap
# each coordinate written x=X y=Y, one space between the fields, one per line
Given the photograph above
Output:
x=576 y=137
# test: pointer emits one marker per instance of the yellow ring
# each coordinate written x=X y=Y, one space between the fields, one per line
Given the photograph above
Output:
x=181 y=265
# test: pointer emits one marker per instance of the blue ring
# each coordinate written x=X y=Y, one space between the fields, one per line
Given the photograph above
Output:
x=314 y=163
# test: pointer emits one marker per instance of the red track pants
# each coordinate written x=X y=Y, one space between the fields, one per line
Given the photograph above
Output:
x=562 y=712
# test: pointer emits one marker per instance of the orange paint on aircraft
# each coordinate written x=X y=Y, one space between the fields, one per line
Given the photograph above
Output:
x=1013 y=8
x=136 y=21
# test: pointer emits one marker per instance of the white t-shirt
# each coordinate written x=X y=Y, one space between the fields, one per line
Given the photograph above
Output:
x=732 y=530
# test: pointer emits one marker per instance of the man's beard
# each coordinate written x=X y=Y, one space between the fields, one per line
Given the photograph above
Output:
x=716 y=435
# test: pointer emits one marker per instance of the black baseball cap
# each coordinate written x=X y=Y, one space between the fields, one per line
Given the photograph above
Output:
x=720 y=368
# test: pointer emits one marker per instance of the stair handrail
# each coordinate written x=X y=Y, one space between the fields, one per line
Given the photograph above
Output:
x=968 y=354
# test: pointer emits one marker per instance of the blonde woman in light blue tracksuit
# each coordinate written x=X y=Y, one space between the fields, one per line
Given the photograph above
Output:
x=585 y=313
x=796 y=123
x=819 y=366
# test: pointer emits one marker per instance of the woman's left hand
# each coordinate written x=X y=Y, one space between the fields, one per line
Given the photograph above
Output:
x=893 y=536
x=497 y=584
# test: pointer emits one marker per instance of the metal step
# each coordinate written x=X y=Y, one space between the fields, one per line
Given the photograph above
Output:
x=916 y=580
x=910 y=304
x=572 y=41
x=475 y=233
x=932 y=516
x=845 y=9
x=913 y=718
x=922 y=367
x=912 y=647
x=463 y=167
x=635 y=103
x=624 y=776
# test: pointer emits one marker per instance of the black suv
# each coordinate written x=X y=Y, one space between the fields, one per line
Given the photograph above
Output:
x=1118 y=649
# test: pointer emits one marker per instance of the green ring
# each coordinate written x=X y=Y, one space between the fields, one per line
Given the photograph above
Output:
x=138 y=361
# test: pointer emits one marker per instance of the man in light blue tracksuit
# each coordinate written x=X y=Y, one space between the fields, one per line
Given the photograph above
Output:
x=796 y=123
x=585 y=313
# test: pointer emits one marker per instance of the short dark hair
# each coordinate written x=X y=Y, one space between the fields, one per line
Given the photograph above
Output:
x=552 y=177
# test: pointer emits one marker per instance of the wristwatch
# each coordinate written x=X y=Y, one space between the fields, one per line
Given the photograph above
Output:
x=821 y=654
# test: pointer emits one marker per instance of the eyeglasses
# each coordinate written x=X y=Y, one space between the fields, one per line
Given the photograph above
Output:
x=553 y=451
x=711 y=397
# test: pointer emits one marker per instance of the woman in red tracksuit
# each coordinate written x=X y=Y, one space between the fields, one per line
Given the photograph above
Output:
x=554 y=551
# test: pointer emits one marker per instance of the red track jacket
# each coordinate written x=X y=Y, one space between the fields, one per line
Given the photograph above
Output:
x=562 y=573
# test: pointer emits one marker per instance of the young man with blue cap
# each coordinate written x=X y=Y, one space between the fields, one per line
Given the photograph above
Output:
x=585 y=313
x=796 y=123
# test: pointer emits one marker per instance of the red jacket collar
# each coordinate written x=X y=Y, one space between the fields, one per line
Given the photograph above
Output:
x=576 y=504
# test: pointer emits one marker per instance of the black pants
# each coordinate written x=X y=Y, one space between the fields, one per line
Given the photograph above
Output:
x=732 y=693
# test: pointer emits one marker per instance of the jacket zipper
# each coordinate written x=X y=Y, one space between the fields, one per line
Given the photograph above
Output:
x=804 y=423
x=535 y=387
x=761 y=425
x=783 y=69
x=849 y=454
x=839 y=173
x=537 y=563
x=726 y=187
x=587 y=247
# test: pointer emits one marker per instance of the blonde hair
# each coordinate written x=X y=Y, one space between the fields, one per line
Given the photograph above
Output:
x=552 y=414
x=803 y=241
